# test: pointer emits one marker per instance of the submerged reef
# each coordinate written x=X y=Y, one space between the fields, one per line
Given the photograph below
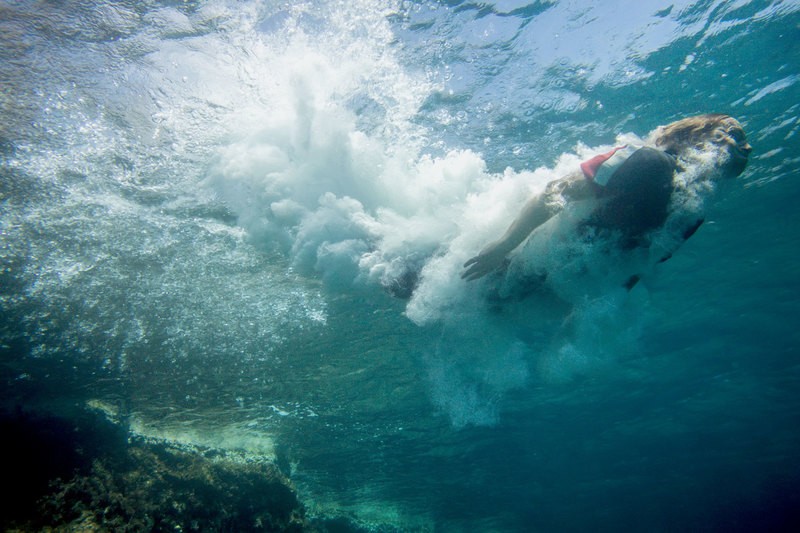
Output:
x=85 y=473
x=164 y=488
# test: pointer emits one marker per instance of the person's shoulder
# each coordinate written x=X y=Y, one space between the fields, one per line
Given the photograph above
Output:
x=573 y=186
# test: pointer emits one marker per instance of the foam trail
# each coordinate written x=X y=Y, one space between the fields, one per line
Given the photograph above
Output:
x=330 y=168
x=370 y=208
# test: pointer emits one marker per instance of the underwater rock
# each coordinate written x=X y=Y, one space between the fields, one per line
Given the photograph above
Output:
x=163 y=488
x=79 y=474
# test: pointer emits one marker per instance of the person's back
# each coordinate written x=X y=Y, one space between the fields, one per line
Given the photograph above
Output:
x=637 y=196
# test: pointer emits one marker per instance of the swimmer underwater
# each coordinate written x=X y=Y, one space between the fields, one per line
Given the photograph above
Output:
x=638 y=196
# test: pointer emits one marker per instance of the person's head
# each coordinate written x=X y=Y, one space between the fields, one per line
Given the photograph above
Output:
x=704 y=132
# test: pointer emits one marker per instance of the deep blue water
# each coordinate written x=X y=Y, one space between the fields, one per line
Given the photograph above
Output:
x=206 y=206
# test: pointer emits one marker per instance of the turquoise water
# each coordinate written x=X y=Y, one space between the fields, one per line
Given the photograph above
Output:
x=206 y=208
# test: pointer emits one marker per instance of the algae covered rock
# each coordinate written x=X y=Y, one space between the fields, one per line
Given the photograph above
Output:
x=104 y=482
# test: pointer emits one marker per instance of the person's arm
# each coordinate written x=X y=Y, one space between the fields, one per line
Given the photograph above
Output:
x=536 y=212
x=533 y=215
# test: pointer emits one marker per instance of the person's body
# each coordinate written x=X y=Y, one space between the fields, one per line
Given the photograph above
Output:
x=638 y=195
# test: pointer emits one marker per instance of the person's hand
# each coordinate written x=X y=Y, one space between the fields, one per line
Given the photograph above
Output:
x=490 y=259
